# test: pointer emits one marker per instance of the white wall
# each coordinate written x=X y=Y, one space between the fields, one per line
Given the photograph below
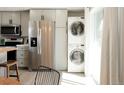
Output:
x=87 y=37
x=93 y=46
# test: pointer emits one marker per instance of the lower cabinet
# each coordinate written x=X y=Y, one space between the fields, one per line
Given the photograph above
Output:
x=2 y=72
x=22 y=62
x=22 y=55
x=3 y=58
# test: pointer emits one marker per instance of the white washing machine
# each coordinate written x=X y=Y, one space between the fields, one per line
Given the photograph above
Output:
x=76 y=42
x=76 y=58
x=76 y=27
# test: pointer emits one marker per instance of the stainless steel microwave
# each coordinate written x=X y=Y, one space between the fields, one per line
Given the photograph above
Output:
x=11 y=30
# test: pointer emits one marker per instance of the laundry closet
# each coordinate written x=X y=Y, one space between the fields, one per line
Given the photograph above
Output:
x=76 y=40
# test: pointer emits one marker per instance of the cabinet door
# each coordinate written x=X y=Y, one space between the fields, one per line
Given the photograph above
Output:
x=0 y=18
x=22 y=54
x=60 y=49
x=22 y=62
x=35 y=15
x=24 y=23
x=16 y=18
x=6 y=16
x=61 y=18
x=2 y=72
x=49 y=15
x=3 y=58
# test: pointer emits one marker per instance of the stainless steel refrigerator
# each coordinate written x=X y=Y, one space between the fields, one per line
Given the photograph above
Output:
x=41 y=44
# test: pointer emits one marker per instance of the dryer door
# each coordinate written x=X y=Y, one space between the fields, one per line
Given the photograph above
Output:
x=77 y=56
x=77 y=28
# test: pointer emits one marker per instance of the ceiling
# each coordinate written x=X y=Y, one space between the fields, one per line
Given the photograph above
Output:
x=28 y=8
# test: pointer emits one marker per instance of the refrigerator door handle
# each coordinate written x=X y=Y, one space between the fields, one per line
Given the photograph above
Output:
x=40 y=41
x=38 y=37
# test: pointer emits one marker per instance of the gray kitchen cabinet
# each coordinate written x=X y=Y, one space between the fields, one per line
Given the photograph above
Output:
x=24 y=23
x=16 y=18
x=22 y=55
x=0 y=18
x=2 y=72
x=60 y=49
x=35 y=15
x=3 y=58
x=7 y=16
x=48 y=15
x=0 y=22
x=61 y=18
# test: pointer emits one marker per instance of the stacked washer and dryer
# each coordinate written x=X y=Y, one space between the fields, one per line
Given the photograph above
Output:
x=76 y=44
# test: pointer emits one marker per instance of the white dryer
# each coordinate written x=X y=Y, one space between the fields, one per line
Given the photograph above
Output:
x=76 y=58
x=76 y=27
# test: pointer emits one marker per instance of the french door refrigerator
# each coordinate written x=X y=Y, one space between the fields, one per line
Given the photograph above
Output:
x=41 y=44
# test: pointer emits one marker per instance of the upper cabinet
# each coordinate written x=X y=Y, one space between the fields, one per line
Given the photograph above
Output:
x=61 y=18
x=35 y=15
x=24 y=23
x=10 y=18
x=39 y=14
x=6 y=16
x=0 y=18
x=16 y=17
x=50 y=15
